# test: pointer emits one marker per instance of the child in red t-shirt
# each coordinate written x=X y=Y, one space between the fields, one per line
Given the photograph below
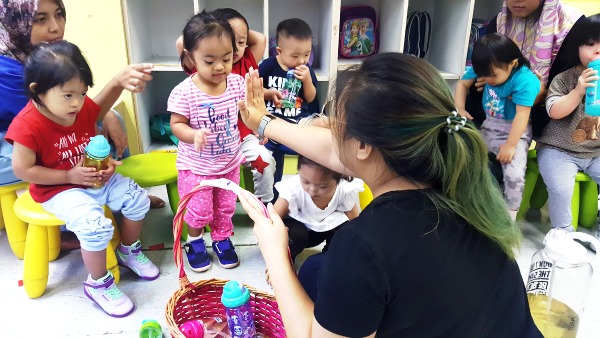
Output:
x=250 y=47
x=50 y=136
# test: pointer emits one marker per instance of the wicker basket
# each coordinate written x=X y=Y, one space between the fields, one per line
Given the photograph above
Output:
x=203 y=298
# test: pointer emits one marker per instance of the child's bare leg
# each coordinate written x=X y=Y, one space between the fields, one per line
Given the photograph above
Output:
x=95 y=262
x=130 y=231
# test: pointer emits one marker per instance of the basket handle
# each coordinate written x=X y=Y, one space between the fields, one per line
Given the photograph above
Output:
x=221 y=183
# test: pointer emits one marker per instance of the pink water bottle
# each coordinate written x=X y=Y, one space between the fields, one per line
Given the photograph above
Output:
x=207 y=328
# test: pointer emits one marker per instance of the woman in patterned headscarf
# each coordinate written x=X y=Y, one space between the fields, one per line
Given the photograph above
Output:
x=24 y=23
x=539 y=28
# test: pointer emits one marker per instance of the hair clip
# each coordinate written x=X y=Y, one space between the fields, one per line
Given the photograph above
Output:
x=455 y=122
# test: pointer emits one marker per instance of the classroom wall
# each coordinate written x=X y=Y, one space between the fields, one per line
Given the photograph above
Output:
x=97 y=28
x=588 y=7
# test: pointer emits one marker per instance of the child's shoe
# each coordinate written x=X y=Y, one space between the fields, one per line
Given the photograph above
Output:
x=197 y=256
x=133 y=258
x=226 y=253
x=105 y=293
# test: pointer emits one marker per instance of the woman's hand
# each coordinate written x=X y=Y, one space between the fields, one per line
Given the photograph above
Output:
x=254 y=108
x=134 y=77
x=271 y=233
x=114 y=131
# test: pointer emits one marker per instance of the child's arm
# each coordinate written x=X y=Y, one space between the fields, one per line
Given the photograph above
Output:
x=303 y=74
x=274 y=95
x=25 y=167
x=566 y=104
x=352 y=214
x=460 y=96
x=519 y=124
x=282 y=207
x=257 y=42
x=180 y=126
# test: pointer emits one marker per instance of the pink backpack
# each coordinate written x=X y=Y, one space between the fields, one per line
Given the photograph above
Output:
x=358 y=32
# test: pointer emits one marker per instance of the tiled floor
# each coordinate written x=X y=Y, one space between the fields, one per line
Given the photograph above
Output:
x=64 y=311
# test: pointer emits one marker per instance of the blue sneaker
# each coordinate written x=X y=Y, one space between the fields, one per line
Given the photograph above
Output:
x=226 y=253
x=197 y=256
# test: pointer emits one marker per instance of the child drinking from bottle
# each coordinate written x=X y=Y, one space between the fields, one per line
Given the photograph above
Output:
x=204 y=118
x=314 y=204
x=509 y=93
x=570 y=142
x=50 y=136
x=250 y=48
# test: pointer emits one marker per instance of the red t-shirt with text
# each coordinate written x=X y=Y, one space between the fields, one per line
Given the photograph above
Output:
x=55 y=146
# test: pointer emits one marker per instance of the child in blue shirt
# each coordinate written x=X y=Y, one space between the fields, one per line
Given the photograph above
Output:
x=509 y=93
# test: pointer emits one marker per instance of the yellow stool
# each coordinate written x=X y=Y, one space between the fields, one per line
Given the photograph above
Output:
x=153 y=169
x=16 y=229
x=43 y=244
x=365 y=197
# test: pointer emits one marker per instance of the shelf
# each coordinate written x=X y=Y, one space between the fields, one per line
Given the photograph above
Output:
x=347 y=63
x=448 y=75
x=165 y=63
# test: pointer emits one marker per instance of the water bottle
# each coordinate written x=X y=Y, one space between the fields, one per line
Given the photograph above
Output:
x=592 y=94
x=559 y=278
x=291 y=89
x=150 y=329
x=96 y=155
x=236 y=299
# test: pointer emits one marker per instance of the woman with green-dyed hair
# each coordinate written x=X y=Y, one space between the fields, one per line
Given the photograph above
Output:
x=433 y=254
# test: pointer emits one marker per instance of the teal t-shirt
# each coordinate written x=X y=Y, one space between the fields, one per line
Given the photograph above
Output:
x=522 y=87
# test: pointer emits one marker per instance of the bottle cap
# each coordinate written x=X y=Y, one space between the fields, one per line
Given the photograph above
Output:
x=290 y=72
x=148 y=326
x=561 y=247
x=594 y=63
x=192 y=328
x=234 y=294
x=98 y=147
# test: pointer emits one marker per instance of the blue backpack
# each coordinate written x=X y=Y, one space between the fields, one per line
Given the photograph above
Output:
x=418 y=34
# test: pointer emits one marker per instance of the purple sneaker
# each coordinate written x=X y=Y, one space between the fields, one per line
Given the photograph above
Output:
x=105 y=293
x=134 y=259
x=226 y=253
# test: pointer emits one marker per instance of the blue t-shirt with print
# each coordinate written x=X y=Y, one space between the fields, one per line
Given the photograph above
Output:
x=12 y=90
x=522 y=86
x=274 y=77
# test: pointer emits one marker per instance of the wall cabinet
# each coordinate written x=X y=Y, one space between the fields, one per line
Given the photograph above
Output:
x=152 y=26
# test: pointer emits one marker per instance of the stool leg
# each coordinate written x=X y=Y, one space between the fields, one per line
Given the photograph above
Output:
x=575 y=205
x=16 y=229
x=531 y=177
x=173 y=194
x=35 y=263
x=1 y=216
x=53 y=243
x=112 y=265
x=539 y=196
x=588 y=204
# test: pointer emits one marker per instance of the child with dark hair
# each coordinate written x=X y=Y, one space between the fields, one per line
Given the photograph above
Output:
x=49 y=137
x=250 y=46
x=509 y=93
x=570 y=143
x=314 y=204
x=204 y=117
x=294 y=44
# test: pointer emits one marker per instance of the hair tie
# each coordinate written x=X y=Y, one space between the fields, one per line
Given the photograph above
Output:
x=454 y=122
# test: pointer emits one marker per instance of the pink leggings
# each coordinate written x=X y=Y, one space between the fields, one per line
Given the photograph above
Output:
x=210 y=205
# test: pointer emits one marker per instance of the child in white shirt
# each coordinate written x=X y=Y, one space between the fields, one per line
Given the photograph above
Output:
x=315 y=203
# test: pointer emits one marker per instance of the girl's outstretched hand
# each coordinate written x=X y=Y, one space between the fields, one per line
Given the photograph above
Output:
x=271 y=233
x=254 y=108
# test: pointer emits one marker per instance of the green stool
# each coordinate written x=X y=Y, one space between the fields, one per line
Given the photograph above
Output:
x=153 y=169
x=584 y=204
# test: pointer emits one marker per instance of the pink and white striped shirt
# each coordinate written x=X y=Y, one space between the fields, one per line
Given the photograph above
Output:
x=219 y=114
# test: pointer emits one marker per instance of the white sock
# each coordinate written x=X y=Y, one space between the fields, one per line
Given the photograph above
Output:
x=192 y=238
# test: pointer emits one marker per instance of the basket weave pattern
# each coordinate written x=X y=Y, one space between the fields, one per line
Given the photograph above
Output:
x=202 y=299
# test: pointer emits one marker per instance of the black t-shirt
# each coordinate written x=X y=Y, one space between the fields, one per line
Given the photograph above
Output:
x=405 y=270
